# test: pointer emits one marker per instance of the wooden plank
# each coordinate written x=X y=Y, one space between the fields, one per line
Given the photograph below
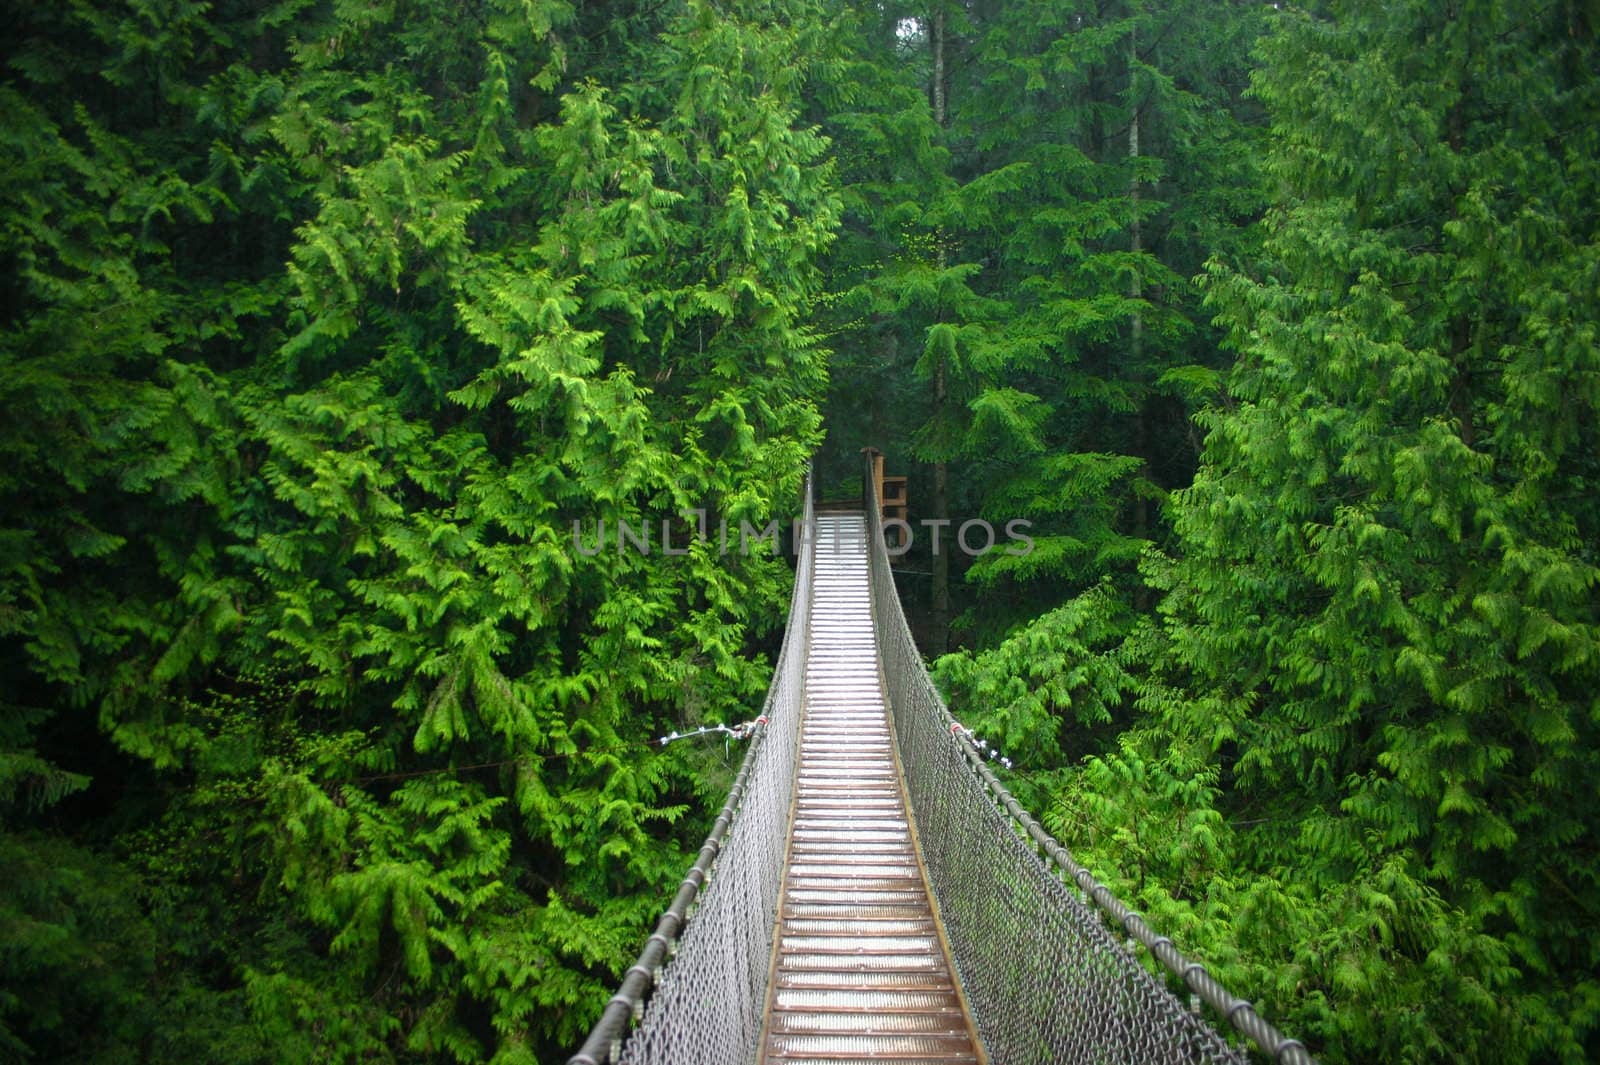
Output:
x=860 y=970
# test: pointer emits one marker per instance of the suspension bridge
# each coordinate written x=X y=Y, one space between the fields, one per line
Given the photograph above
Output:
x=872 y=893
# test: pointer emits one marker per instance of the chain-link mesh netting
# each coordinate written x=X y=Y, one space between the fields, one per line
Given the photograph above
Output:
x=1045 y=977
x=707 y=1006
x=1046 y=980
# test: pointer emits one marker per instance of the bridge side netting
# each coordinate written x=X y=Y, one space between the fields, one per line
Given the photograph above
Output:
x=708 y=1003
x=1046 y=979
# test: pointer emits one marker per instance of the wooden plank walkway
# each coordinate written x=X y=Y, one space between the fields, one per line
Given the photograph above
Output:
x=861 y=973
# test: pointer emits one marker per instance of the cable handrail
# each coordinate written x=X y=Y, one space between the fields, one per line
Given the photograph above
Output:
x=1239 y=1013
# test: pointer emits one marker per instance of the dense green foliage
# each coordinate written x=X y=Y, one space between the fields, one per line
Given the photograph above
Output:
x=325 y=321
x=1363 y=766
x=1016 y=276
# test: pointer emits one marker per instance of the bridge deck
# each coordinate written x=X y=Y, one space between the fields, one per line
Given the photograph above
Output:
x=861 y=972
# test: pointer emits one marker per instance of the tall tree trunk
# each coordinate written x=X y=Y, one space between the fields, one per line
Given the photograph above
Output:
x=939 y=605
x=1141 y=506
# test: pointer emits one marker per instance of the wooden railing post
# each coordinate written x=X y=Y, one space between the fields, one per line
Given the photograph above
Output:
x=874 y=470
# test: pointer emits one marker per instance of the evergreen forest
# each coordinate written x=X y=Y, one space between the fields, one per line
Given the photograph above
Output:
x=325 y=322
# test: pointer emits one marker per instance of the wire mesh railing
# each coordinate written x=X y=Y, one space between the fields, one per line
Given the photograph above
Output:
x=705 y=1005
x=1046 y=978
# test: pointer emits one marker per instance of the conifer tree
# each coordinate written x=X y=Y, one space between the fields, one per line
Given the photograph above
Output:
x=321 y=355
x=1387 y=590
x=1094 y=145
x=1014 y=255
